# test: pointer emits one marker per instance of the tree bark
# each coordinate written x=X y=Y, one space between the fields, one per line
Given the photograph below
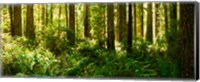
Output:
x=51 y=14
x=186 y=43
x=166 y=17
x=46 y=15
x=43 y=17
x=71 y=33
x=87 y=21
x=17 y=29
x=59 y=15
x=30 y=30
x=149 y=35
x=66 y=15
x=11 y=18
x=122 y=23
x=141 y=20
x=134 y=20
x=129 y=41
x=110 y=22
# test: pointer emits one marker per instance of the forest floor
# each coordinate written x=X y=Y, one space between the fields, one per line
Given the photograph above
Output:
x=25 y=58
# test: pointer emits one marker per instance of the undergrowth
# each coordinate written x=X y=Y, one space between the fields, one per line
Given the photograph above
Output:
x=53 y=57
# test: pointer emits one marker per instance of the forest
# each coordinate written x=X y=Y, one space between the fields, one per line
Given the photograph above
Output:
x=98 y=40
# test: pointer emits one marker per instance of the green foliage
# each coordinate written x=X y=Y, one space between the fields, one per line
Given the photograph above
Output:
x=51 y=55
x=98 y=21
x=84 y=60
x=18 y=58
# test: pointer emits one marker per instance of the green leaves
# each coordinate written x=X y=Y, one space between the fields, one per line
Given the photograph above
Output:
x=85 y=59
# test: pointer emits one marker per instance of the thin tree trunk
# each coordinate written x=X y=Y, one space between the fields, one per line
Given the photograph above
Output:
x=43 y=16
x=129 y=41
x=51 y=14
x=157 y=21
x=11 y=19
x=141 y=20
x=166 y=18
x=59 y=15
x=46 y=14
x=134 y=13
x=66 y=15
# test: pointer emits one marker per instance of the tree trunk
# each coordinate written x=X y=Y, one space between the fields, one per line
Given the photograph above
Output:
x=17 y=29
x=87 y=21
x=66 y=15
x=166 y=17
x=43 y=16
x=186 y=43
x=129 y=41
x=110 y=22
x=46 y=14
x=157 y=18
x=51 y=14
x=30 y=30
x=149 y=35
x=59 y=15
x=71 y=33
x=122 y=23
x=11 y=19
x=134 y=20
x=141 y=20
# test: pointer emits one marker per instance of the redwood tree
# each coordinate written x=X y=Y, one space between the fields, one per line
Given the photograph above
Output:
x=71 y=32
x=110 y=29
x=87 y=21
x=130 y=33
x=149 y=35
x=17 y=23
x=186 y=44
x=30 y=30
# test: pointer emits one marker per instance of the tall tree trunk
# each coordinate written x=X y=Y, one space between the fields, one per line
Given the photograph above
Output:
x=122 y=23
x=17 y=29
x=43 y=16
x=141 y=20
x=51 y=14
x=157 y=18
x=66 y=15
x=46 y=14
x=59 y=14
x=129 y=41
x=71 y=33
x=110 y=22
x=117 y=22
x=156 y=21
x=87 y=21
x=166 y=17
x=149 y=35
x=186 y=43
x=30 y=30
x=59 y=19
x=11 y=18
x=134 y=20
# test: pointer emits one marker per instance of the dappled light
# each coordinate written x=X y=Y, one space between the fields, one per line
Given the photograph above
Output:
x=135 y=40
